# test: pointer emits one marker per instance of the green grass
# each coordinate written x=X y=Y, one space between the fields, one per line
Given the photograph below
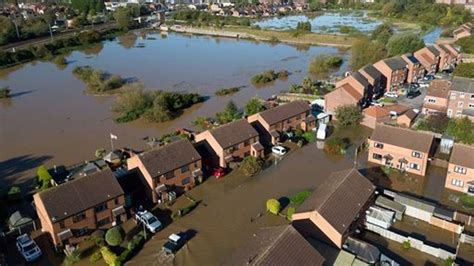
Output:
x=300 y=197
x=467 y=201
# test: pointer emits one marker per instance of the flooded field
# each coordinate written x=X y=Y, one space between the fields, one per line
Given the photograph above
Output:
x=50 y=120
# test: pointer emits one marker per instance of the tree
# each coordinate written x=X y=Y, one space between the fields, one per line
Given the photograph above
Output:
x=7 y=30
x=404 y=43
x=465 y=70
x=229 y=114
x=110 y=258
x=273 y=206
x=437 y=122
x=466 y=44
x=304 y=26
x=348 y=115
x=251 y=166
x=364 y=52
x=253 y=106
x=124 y=18
x=114 y=236
x=323 y=64
x=44 y=177
x=462 y=129
x=100 y=6
x=382 y=33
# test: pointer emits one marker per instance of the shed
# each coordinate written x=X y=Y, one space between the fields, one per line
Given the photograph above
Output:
x=389 y=204
x=444 y=214
x=364 y=251
x=380 y=217
x=417 y=208
x=17 y=221
x=446 y=144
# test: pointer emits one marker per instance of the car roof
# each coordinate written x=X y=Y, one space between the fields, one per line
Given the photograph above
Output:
x=148 y=215
x=24 y=239
x=174 y=237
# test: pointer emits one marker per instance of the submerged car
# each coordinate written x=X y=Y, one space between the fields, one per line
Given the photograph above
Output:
x=149 y=221
x=28 y=248
x=175 y=243
x=218 y=172
x=391 y=94
x=279 y=150
x=413 y=94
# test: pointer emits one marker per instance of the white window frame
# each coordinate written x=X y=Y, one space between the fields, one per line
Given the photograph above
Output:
x=415 y=166
x=460 y=170
x=416 y=154
x=457 y=182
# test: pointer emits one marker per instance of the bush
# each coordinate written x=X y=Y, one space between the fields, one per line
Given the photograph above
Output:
x=4 y=92
x=109 y=257
x=304 y=26
x=73 y=257
x=309 y=137
x=269 y=76
x=114 y=236
x=231 y=113
x=97 y=81
x=467 y=201
x=254 y=106
x=95 y=257
x=300 y=197
x=465 y=70
x=336 y=145
x=227 y=91
x=44 y=177
x=406 y=245
x=348 y=115
x=273 y=206
x=290 y=212
x=100 y=153
x=251 y=166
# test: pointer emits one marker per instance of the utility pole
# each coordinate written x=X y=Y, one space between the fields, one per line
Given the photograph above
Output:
x=16 y=26
x=50 y=31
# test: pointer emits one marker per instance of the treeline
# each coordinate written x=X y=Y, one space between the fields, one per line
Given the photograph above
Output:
x=199 y=18
x=88 y=6
x=56 y=47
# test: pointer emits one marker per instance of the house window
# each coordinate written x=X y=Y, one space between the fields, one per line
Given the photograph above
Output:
x=461 y=95
x=103 y=222
x=378 y=145
x=431 y=100
x=415 y=166
x=453 y=95
x=246 y=143
x=458 y=113
x=79 y=217
x=377 y=156
x=471 y=106
x=460 y=170
x=116 y=201
x=101 y=207
x=82 y=231
x=460 y=104
x=457 y=183
x=169 y=175
x=450 y=112
x=472 y=96
x=246 y=154
x=196 y=165
x=416 y=154
x=185 y=169
x=62 y=225
x=288 y=121
x=185 y=181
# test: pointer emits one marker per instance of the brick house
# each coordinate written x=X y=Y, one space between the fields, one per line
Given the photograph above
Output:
x=436 y=99
x=429 y=58
x=375 y=79
x=231 y=142
x=416 y=71
x=447 y=60
x=177 y=165
x=455 y=54
x=395 y=72
x=396 y=147
x=374 y=115
x=346 y=95
x=336 y=208
x=465 y=30
x=71 y=211
x=360 y=83
x=460 y=176
x=461 y=98
x=271 y=123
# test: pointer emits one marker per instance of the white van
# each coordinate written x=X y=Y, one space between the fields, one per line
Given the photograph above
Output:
x=322 y=131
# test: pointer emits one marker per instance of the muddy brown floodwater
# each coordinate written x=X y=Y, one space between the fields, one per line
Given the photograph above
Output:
x=50 y=120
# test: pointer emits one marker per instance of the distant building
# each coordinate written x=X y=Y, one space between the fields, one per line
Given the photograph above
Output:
x=460 y=175
x=429 y=58
x=395 y=72
x=336 y=208
x=73 y=210
x=436 y=99
x=176 y=164
x=447 y=59
x=461 y=98
x=465 y=30
x=416 y=71
x=400 y=148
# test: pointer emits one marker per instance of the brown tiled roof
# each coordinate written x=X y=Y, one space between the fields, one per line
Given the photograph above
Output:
x=275 y=246
x=396 y=108
x=376 y=111
x=403 y=137
x=462 y=155
x=80 y=194
x=430 y=60
x=439 y=88
x=371 y=71
x=395 y=63
x=410 y=114
x=285 y=111
x=340 y=199
x=162 y=160
x=233 y=133
x=433 y=50
x=351 y=91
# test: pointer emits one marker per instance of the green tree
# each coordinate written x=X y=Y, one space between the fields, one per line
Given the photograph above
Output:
x=229 y=114
x=273 y=206
x=462 y=129
x=348 y=115
x=465 y=70
x=250 y=166
x=100 y=6
x=109 y=257
x=7 y=30
x=123 y=17
x=254 y=106
x=44 y=177
x=466 y=44
x=404 y=43
x=364 y=52
x=323 y=64
x=382 y=33
x=304 y=26
x=114 y=236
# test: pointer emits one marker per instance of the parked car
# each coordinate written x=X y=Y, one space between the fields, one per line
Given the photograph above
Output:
x=279 y=150
x=424 y=85
x=429 y=77
x=149 y=220
x=175 y=243
x=322 y=132
x=376 y=103
x=219 y=172
x=28 y=248
x=391 y=94
x=413 y=94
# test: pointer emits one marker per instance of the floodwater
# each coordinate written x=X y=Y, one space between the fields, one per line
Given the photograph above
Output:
x=327 y=22
x=432 y=36
x=50 y=120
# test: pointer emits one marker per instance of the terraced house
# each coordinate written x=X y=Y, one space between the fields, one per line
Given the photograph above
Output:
x=416 y=71
x=401 y=148
x=436 y=99
x=374 y=77
x=395 y=72
x=357 y=89
x=465 y=30
x=271 y=123
x=176 y=165
x=71 y=211
x=429 y=58
x=460 y=175
x=461 y=98
x=231 y=142
x=447 y=58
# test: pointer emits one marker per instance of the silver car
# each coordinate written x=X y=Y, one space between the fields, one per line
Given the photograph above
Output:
x=28 y=248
